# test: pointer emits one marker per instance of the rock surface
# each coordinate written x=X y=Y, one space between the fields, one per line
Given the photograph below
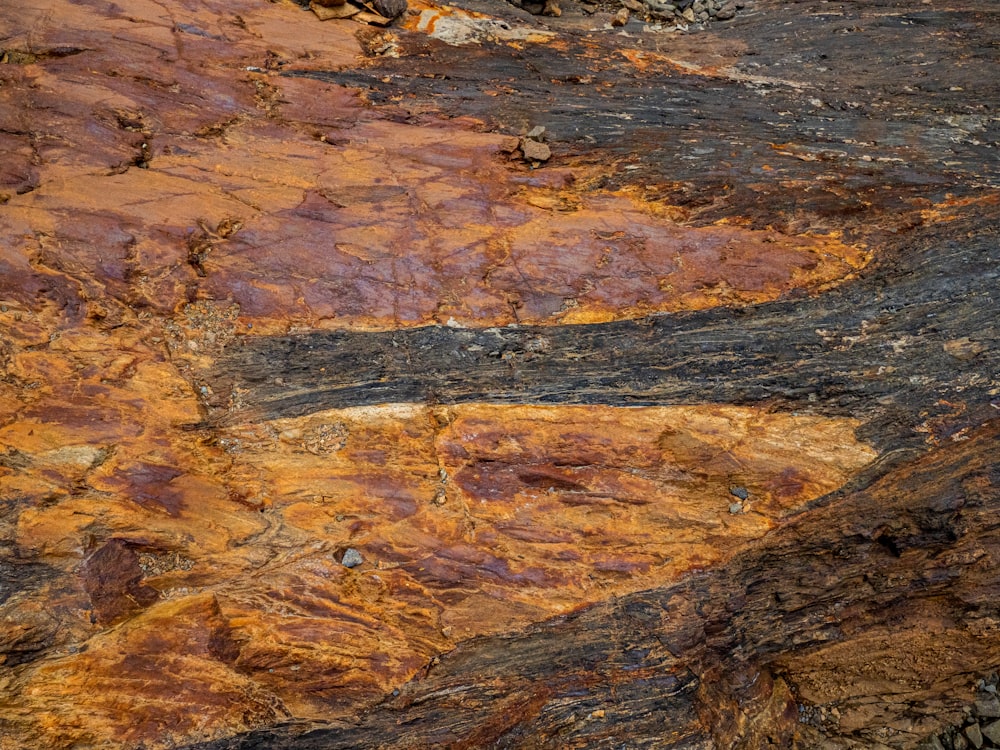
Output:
x=323 y=413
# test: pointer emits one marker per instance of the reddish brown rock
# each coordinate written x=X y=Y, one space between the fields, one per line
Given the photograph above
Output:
x=535 y=151
x=112 y=577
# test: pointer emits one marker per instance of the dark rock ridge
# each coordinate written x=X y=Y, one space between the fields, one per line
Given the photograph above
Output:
x=815 y=116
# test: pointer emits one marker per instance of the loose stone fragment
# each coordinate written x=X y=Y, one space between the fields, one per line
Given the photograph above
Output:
x=325 y=13
x=666 y=12
x=352 y=558
x=372 y=18
x=987 y=706
x=741 y=492
x=535 y=151
x=389 y=8
x=975 y=735
x=992 y=732
x=509 y=145
x=620 y=18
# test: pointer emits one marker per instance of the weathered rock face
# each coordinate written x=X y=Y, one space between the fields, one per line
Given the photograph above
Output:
x=327 y=409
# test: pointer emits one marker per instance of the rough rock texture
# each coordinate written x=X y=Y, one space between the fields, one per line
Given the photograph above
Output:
x=328 y=421
x=709 y=662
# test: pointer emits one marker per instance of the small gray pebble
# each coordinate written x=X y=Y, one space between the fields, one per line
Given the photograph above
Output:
x=987 y=706
x=975 y=735
x=741 y=492
x=992 y=732
x=390 y=8
x=352 y=558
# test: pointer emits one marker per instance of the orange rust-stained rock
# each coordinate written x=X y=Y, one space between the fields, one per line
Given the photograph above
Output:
x=471 y=521
x=302 y=166
x=167 y=673
x=483 y=245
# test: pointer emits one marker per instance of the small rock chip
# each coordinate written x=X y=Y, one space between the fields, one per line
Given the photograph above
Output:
x=987 y=706
x=661 y=12
x=932 y=744
x=390 y=8
x=992 y=732
x=536 y=132
x=620 y=18
x=735 y=508
x=725 y=13
x=958 y=742
x=535 y=151
x=688 y=15
x=741 y=492
x=324 y=13
x=374 y=19
x=509 y=144
x=352 y=558
x=975 y=735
